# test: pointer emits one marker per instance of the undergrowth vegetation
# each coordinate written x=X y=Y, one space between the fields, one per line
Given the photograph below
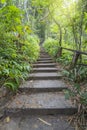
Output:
x=77 y=74
x=51 y=46
x=18 y=47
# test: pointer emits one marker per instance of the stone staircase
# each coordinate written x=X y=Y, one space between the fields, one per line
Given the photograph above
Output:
x=42 y=93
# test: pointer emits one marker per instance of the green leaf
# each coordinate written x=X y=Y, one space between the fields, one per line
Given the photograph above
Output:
x=17 y=80
x=6 y=71
x=10 y=85
x=66 y=73
x=77 y=86
x=28 y=68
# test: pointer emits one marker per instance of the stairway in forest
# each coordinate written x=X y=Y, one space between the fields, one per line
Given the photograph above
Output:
x=42 y=93
x=41 y=103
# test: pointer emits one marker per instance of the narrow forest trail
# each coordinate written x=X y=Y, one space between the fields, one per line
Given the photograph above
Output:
x=41 y=102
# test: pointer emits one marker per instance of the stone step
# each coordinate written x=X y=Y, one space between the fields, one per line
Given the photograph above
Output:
x=47 y=61
x=44 y=65
x=45 y=69
x=37 y=122
x=40 y=103
x=44 y=59
x=42 y=86
x=44 y=53
x=44 y=75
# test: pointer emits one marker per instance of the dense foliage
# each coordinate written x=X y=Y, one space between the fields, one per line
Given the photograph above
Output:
x=67 y=27
x=51 y=46
x=18 y=47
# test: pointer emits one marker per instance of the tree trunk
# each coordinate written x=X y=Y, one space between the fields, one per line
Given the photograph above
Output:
x=75 y=59
x=59 y=54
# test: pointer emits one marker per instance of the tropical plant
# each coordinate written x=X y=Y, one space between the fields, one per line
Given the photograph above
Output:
x=51 y=46
x=18 y=48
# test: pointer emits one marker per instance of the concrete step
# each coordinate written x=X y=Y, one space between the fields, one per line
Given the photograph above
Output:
x=45 y=75
x=37 y=122
x=44 y=59
x=43 y=53
x=42 y=86
x=45 y=69
x=47 y=61
x=40 y=103
x=44 y=65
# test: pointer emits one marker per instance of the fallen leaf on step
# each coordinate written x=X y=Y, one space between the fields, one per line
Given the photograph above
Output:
x=35 y=126
x=8 y=119
x=18 y=102
x=45 y=122
x=31 y=81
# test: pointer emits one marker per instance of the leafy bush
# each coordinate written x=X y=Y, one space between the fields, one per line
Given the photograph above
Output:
x=18 y=48
x=65 y=59
x=51 y=46
x=77 y=74
x=31 y=48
